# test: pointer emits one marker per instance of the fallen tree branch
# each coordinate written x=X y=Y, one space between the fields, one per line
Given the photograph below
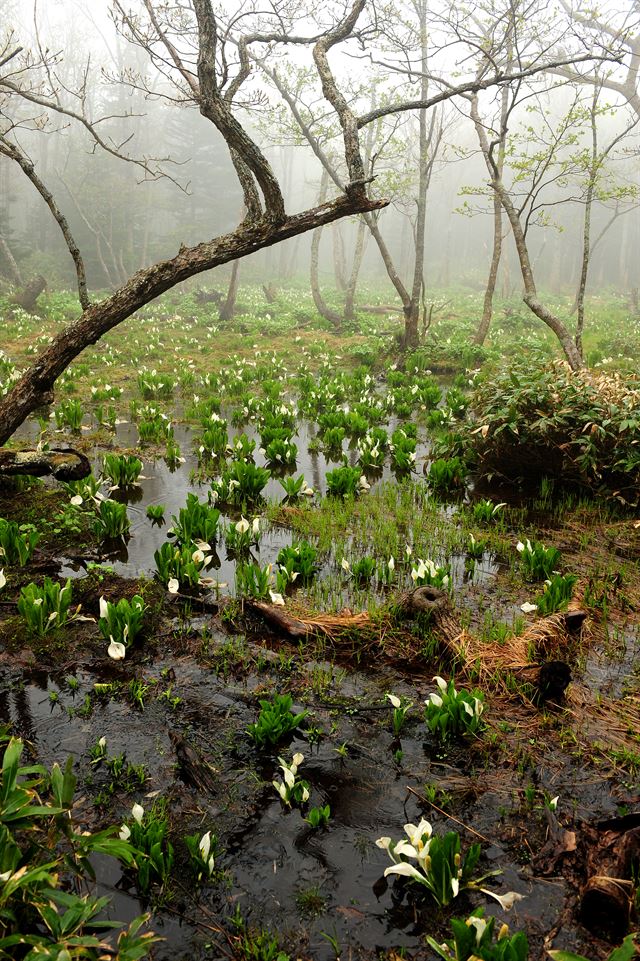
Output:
x=65 y=465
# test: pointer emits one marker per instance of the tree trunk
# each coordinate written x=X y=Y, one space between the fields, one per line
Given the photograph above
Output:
x=411 y=337
x=339 y=259
x=487 y=307
x=321 y=306
x=358 y=253
x=392 y=273
x=12 y=267
x=412 y=310
x=35 y=387
x=586 y=253
x=228 y=309
x=530 y=296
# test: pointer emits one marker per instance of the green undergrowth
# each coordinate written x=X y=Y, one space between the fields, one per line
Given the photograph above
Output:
x=547 y=421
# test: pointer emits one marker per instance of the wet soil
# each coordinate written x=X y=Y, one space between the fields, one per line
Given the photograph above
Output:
x=322 y=892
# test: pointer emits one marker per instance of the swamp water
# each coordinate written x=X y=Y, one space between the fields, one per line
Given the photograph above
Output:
x=320 y=892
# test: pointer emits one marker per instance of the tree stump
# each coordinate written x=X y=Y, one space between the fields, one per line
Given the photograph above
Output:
x=27 y=297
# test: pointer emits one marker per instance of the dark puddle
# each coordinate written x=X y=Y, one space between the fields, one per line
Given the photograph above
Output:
x=297 y=882
x=611 y=670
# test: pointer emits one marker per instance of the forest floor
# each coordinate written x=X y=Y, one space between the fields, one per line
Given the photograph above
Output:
x=548 y=782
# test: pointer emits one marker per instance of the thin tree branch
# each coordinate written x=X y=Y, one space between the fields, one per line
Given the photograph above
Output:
x=27 y=166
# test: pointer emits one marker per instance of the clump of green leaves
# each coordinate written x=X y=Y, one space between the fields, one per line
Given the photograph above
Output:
x=345 y=481
x=111 y=520
x=447 y=476
x=17 y=544
x=155 y=512
x=475 y=938
x=433 y=861
x=275 y=721
x=558 y=591
x=485 y=511
x=241 y=483
x=121 y=623
x=294 y=488
x=299 y=560
x=454 y=713
x=254 y=581
x=292 y=789
x=318 y=817
x=154 y=386
x=122 y=470
x=47 y=607
x=203 y=852
x=401 y=707
x=38 y=851
x=280 y=451
x=537 y=561
x=427 y=573
x=625 y=952
x=148 y=834
x=363 y=569
x=179 y=566
x=154 y=427
x=242 y=536
x=69 y=414
x=196 y=521
x=255 y=944
x=403 y=450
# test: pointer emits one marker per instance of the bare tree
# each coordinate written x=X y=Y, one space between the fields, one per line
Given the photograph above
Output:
x=206 y=63
x=212 y=82
x=619 y=29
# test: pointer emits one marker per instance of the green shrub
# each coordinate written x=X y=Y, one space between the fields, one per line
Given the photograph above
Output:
x=575 y=427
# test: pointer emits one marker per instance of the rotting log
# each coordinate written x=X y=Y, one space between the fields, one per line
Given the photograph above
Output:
x=64 y=465
x=549 y=676
x=275 y=616
x=193 y=769
x=607 y=898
